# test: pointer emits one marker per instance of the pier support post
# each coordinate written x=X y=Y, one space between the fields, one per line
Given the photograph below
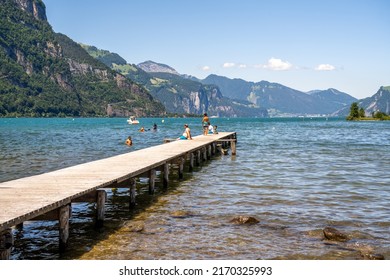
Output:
x=208 y=152
x=152 y=178
x=233 y=147
x=191 y=168
x=181 y=167
x=213 y=148
x=132 y=192
x=166 y=175
x=6 y=244
x=100 y=207
x=198 y=155
x=204 y=153
x=64 y=215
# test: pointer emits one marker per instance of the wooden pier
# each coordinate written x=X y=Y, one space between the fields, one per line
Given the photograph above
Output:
x=49 y=196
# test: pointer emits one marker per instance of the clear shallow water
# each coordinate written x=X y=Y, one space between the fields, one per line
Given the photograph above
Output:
x=296 y=176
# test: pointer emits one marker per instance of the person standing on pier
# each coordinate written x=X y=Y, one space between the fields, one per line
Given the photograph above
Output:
x=205 y=123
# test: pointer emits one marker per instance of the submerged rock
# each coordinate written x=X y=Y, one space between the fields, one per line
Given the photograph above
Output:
x=181 y=214
x=241 y=220
x=373 y=256
x=335 y=235
x=134 y=227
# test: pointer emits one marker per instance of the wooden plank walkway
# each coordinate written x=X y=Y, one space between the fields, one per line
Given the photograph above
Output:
x=28 y=198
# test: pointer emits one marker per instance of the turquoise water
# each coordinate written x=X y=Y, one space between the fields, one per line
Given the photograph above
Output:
x=296 y=176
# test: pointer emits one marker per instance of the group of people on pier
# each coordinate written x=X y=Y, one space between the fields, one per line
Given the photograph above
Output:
x=207 y=129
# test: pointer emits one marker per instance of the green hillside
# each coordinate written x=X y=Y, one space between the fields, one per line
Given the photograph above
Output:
x=44 y=74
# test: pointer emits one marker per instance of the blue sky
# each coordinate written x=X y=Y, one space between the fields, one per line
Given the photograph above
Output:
x=302 y=44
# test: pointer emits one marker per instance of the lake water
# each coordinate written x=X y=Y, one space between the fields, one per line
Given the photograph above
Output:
x=296 y=176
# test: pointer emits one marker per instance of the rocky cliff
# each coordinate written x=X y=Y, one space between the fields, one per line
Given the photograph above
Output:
x=154 y=67
x=379 y=102
x=36 y=8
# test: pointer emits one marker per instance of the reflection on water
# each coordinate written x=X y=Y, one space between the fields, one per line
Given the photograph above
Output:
x=296 y=176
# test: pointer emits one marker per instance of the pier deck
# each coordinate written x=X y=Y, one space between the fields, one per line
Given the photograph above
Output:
x=28 y=198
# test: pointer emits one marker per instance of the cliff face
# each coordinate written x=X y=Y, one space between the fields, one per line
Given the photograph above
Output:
x=379 y=102
x=47 y=74
x=36 y=8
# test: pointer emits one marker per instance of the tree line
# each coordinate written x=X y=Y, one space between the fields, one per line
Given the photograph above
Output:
x=358 y=113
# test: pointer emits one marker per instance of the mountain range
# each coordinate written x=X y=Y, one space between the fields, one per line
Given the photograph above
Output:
x=179 y=94
x=43 y=74
x=279 y=99
x=231 y=97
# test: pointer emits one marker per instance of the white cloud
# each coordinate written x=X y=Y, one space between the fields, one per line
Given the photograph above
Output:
x=242 y=66
x=277 y=64
x=228 y=65
x=206 y=68
x=325 y=67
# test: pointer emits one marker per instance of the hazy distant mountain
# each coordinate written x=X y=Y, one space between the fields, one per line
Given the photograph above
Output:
x=279 y=99
x=332 y=98
x=232 y=88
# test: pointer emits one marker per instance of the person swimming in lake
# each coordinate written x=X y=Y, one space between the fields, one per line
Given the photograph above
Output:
x=186 y=134
x=129 y=142
x=142 y=129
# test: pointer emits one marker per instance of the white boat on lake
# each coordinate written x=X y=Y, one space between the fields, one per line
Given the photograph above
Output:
x=132 y=120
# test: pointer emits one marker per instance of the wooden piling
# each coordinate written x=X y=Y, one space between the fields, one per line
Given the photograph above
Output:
x=152 y=179
x=166 y=175
x=208 y=152
x=181 y=167
x=198 y=157
x=191 y=167
x=64 y=215
x=100 y=207
x=6 y=244
x=132 y=187
x=233 y=147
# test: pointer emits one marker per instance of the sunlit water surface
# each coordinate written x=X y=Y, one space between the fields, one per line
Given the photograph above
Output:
x=296 y=176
